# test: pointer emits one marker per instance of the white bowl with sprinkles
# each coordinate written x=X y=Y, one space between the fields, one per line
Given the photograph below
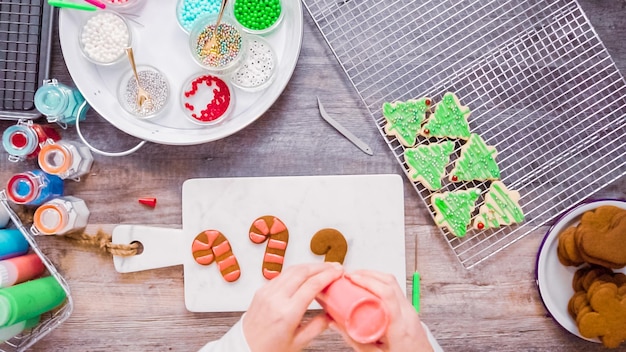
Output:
x=207 y=99
x=154 y=82
x=103 y=38
x=258 y=69
x=229 y=49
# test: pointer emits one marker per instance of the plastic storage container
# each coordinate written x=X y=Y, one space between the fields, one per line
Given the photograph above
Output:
x=47 y=321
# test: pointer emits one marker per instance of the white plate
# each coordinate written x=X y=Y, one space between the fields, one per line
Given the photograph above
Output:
x=554 y=280
x=159 y=41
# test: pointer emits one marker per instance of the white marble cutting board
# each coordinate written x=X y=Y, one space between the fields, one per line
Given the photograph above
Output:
x=367 y=209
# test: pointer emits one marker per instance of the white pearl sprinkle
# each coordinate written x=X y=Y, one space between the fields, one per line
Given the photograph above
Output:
x=104 y=37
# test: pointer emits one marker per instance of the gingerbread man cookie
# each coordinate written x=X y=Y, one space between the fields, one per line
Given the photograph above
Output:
x=608 y=318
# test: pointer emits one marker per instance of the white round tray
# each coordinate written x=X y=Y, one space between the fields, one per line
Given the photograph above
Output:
x=554 y=280
x=159 y=41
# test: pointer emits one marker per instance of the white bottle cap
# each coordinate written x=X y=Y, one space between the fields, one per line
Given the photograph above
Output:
x=10 y=331
x=5 y=310
x=8 y=274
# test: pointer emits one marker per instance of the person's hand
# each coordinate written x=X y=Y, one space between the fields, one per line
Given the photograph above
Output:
x=274 y=320
x=405 y=331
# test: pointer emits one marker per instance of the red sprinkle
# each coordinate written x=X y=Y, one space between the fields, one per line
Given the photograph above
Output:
x=218 y=105
x=455 y=178
x=480 y=226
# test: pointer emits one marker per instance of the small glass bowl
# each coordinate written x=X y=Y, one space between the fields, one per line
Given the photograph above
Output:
x=241 y=9
x=188 y=11
x=231 y=44
x=154 y=82
x=128 y=6
x=201 y=104
x=96 y=42
x=258 y=69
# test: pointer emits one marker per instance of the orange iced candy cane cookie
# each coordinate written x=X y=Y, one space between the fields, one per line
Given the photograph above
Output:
x=212 y=246
x=270 y=227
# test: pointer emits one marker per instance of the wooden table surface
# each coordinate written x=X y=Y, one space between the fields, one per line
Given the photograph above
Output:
x=494 y=306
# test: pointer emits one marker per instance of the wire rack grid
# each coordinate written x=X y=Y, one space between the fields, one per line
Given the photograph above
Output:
x=540 y=84
x=49 y=320
x=25 y=36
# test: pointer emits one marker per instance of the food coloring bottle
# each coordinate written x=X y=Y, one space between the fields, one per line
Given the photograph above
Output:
x=12 y=244
x=34 y=187
x=20 y=269
x=23 y=140
x=29 y=300
x=68 y=160
x=11 y=331
x=60 y=216
x=60 y=103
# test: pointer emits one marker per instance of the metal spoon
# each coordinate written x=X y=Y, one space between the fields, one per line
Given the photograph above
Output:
x=143 y=98
x=211 y=45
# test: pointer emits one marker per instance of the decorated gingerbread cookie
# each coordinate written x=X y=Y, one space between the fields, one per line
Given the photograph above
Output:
x=427 y=163
x=404 y=119
x=454 y=209
x=212 y=246
x=501 y=207
x=477 y=162
x=271 y=229
x=449 y=120
x=331 y=244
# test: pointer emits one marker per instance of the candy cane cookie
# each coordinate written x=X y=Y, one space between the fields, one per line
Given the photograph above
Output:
x=273 y=230
x=212 y=246
x=331 y=244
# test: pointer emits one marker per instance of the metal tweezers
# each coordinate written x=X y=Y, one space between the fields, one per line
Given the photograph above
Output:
x=351 y=137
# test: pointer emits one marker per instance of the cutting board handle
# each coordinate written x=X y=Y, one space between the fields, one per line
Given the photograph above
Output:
x=162 y=247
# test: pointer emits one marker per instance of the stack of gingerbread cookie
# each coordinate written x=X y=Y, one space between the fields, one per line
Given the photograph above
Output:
x=599 y=239
x=598 y=245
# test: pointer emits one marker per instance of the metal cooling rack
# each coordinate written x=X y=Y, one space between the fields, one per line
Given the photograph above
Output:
x=25 y=36
x=541 y=86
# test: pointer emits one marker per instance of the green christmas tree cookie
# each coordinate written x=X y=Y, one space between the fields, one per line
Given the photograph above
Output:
x=427 y=163
x=404 y=119
x=449 y=119
x=477 y=162
x=454 y=209
x=501 y=208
